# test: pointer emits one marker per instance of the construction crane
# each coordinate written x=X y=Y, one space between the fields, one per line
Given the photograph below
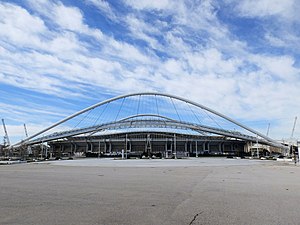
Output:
x=295 y=121
x=25 y=129
x=6 y=138
x=268 y=130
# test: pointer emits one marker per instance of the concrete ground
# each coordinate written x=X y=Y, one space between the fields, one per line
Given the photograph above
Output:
x=163 y=192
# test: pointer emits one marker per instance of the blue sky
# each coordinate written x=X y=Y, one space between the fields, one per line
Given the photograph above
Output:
x=240 y=57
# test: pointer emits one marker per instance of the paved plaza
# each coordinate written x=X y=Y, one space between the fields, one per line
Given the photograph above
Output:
x=162 y=192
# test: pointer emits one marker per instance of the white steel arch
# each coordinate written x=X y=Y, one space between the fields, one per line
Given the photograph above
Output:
x=150 y=94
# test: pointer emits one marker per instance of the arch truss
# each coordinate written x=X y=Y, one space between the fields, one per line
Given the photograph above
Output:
x=147 y=111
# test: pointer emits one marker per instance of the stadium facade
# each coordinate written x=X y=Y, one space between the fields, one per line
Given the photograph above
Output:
x=145 y=125
x=147 y=144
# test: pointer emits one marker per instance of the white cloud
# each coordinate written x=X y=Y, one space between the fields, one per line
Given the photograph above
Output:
x=104 y=7
x=275 y=41
x=149 y=5
x=69 y=18
x=62 y=57
x=280 y=20
x=125 y=51
x=250 y=8
x=142 y=30
x=284 y=37
x=279 y=66
x=65 y=43
x=14 y=27
x=212 y=61
x=17 y=18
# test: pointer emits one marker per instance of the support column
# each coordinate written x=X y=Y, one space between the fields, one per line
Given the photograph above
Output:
x=99 y=149
x=166 y=148
x=126 y=146
x=51 y=151
x=148 y=146
x=46 y=154
x=60 y=150
x=196 y=148
x=175 y=150
x=87 y=147
x=42 y=146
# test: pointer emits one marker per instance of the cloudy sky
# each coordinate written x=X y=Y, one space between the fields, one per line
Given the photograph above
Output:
x=240 y=57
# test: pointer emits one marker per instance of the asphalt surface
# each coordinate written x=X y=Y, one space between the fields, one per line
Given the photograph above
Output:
x=158 y=193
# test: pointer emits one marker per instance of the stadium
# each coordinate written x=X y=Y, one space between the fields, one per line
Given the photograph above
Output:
x=148 y=125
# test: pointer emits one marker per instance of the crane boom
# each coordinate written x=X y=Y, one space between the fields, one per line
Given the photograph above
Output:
x=26 y=134
x=294 y=127
x=6 y=138
x=268 y=130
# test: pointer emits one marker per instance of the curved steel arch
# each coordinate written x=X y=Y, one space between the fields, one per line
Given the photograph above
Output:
x=154 y=94
x=146 y=115
x=128 y=118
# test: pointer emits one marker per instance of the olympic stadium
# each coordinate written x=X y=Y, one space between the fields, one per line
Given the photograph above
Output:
x=146 y=125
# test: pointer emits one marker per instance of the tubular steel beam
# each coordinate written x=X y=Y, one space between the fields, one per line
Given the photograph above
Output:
x=154 y=94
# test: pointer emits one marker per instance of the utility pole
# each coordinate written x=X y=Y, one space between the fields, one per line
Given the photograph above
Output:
x=6 y=138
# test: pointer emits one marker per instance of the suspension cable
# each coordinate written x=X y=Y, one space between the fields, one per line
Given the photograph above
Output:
x=175 y=109
x=120 y=109
x=194 y=113
x=156 y=105
x=138 y=108
x=106 y=105
x=83 y=118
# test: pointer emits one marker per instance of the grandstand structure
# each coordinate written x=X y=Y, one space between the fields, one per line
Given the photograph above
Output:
x=145 y=125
